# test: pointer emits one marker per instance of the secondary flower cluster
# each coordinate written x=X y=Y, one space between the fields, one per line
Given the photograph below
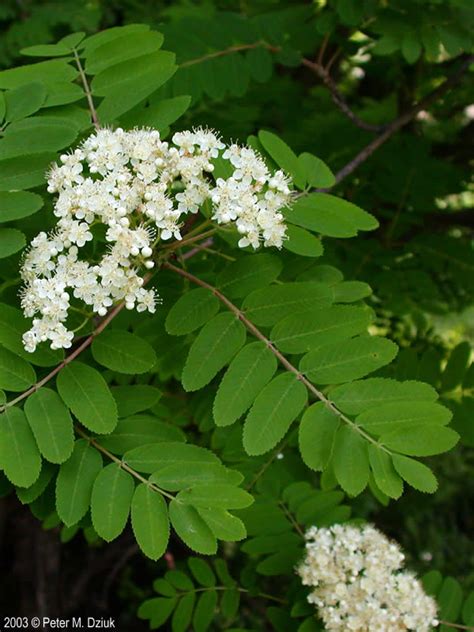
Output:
x=139 y=188
x=357 y=582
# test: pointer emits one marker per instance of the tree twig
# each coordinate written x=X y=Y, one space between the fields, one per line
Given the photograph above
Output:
x=337 y=97
x=402 y=120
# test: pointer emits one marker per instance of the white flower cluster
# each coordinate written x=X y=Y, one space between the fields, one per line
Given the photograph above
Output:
x=357 y=582
x=139 y=188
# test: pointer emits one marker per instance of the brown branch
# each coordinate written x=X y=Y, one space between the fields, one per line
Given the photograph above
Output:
x=316 y=67
x=198 y=248
x=386 y=131
x=282 y=359
x=402 y=120
x=337 y=97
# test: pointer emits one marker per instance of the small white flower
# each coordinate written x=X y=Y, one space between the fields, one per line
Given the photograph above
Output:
x=357 y=582
x=139 y=188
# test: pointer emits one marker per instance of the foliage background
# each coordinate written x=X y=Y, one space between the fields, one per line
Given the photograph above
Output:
x=419 y=262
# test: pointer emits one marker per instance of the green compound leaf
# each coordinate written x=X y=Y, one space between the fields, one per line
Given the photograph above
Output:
x=193 y=310
x=46 y=50
x=415 y=474
x=260 y=64
x=272 y=304
x=163 y=587
x=31 y=136
x=159 y=114
x=284 y=156
x=350 y=461
x=248 y=373
x=223 y=524
x=299 y=333
x=351 y=291
x=348 y=360
x=75 y=480
x=27 y=495
x=125 y=84
x=362 y=395
x=150 y=521
x=176 y=476
x=192 y=529
x=11 y=241
x=15 y=373
x=456 y=367
x=19 y=455
x=110 y=502
x=449 y=598
x=129 y=46
x=175 y=466
x=386 y=478
x=149 y=458
x=183 y=614
x=216 y=344
x=316 y=172
x=24 y=101
x=85 y=392
x=51 y=424
x=421 y=440
x=18 y=204
x=123 y=352
x=218 y=495
x=157 y=610
x=204 y=611
x=139 y=430
x=98 y=39
x=330 y=215
x=134 y=398
x=24 y=172
x=62 y=93
x=403 y=415
x=302 y=242
x=248 y=273
x=12 y=327
x=272 y=413
x=202 y=572
x=317 y=433
x=47 y=72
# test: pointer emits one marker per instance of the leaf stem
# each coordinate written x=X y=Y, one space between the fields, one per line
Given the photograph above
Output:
x=292 y=519
x=283 y=360
x=222 y=53
x=78 y=350
x=238 y=588
x=72 y=356
x=87 y=90
x=179 y=244
x=457 y=626
x=122 y=464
